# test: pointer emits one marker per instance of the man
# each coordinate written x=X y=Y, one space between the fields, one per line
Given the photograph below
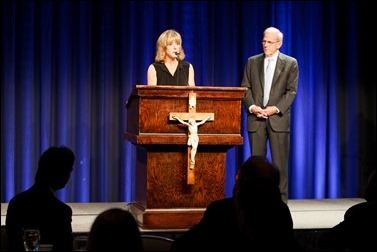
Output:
x=38 y=208
x=268 y=101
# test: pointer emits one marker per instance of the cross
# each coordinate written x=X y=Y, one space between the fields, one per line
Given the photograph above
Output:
x=186 y=116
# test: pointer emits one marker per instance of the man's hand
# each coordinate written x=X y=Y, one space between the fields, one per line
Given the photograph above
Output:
x=259 y=112
x=264 y=113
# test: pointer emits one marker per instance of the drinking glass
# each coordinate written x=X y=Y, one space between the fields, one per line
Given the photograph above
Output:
x=32 y=238
x=80 y=243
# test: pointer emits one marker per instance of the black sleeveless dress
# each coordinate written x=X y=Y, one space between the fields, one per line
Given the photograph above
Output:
x=180 y=77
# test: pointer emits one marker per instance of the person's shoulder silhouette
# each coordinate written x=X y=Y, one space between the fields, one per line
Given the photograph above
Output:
x=37 y=207
x=113 y=229
x=358 y=230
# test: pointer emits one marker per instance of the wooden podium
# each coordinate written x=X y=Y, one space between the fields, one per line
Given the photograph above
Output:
x=168 y=193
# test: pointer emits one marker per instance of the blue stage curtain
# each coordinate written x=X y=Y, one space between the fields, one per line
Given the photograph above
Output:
x=68 y=67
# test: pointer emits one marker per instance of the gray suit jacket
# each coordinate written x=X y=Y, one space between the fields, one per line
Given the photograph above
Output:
x=282 y=94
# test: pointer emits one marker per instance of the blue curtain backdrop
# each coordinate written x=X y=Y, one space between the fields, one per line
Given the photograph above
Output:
x=68 y=67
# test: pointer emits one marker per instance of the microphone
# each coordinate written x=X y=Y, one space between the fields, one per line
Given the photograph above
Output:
x=177 y=53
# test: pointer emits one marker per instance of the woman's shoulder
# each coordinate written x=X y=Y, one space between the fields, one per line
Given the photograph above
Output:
x=157 y=64
x=185 y=63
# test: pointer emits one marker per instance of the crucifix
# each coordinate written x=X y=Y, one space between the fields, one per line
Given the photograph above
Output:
x=193 y=139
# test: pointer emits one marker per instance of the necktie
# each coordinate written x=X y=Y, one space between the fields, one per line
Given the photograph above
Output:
x=267 y=82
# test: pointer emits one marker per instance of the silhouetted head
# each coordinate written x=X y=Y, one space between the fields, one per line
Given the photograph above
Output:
x=261 y=212
x=55 y=167
x=263 y=218
x=113 y=229
x=257 y=167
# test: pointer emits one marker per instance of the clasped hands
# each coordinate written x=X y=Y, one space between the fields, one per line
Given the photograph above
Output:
x=264 y=113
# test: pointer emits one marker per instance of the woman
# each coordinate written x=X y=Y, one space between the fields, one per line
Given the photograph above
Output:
x=169 y=67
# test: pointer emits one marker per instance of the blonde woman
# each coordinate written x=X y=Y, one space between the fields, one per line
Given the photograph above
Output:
x=169 y=67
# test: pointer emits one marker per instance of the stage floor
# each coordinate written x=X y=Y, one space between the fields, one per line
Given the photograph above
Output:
x=306 y=213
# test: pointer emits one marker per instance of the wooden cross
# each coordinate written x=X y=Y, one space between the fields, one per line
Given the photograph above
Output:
x=203 y=117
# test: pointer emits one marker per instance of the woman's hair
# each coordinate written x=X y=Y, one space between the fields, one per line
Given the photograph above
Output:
x=113 y=229
x=166 y=38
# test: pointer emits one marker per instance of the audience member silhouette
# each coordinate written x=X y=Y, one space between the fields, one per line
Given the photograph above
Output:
x=255 y=207
x=358 y=230
x=37 y=207
x=263 y=218
x=113 y=230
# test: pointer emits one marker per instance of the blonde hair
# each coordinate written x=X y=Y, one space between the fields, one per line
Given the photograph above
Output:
x=166 y=38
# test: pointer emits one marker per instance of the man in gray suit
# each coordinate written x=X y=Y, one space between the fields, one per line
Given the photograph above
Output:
x=268 y=101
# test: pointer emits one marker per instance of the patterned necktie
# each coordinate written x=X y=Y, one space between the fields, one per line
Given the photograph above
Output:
x=267 y=82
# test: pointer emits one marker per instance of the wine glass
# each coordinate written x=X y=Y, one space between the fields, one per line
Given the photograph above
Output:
x=32 y=238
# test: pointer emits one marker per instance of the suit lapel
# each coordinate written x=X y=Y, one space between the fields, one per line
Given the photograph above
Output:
x=280 y=64
x=261 y=70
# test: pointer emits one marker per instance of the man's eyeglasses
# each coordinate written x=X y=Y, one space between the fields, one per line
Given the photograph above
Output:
x=265 y=42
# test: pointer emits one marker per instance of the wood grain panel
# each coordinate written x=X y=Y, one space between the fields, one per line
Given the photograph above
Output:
x=164 y=196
